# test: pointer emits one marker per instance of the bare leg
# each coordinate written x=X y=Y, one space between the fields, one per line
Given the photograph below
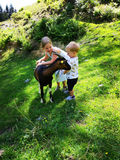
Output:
x=58 y=84
x=64 y=84
x=71 y=93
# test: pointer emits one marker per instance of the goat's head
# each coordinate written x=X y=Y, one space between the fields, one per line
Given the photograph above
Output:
x=63 y=64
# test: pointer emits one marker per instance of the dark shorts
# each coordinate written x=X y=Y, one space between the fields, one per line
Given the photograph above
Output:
x=71 y=83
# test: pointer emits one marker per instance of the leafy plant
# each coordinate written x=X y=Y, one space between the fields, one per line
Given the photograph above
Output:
x=106 y=12
x=59 y=31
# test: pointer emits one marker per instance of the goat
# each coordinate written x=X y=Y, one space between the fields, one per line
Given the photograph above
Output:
x=43 y=74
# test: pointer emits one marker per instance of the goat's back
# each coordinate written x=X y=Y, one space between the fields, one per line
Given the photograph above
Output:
x=42 y=78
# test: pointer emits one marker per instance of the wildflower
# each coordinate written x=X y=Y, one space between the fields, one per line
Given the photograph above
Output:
x=27 y=80
x=106 y=153
x=100 y=85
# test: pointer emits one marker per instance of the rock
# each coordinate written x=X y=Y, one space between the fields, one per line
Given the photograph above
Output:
x=1 y=152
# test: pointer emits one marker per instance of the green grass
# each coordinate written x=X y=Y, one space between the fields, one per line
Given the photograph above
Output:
x=85 y=129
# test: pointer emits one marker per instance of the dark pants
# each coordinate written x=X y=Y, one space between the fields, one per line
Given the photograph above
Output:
x=71 y=83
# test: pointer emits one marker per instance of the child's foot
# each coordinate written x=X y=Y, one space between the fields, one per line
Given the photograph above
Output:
x=70 y=98
x=66 y=91
x=57 y=88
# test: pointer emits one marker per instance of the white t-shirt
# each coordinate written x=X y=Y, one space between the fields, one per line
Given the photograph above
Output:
x=62 y=53
x=73 y=73
x=73 y=62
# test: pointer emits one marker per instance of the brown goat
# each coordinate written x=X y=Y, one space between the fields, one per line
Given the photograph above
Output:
x=43 y=74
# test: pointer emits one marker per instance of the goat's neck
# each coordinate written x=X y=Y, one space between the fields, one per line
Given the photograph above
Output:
x=51 y=69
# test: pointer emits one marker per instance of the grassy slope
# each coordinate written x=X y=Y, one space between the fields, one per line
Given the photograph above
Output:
x=87 y=128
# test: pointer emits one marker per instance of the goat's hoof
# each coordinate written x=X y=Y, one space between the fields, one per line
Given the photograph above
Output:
x=42 y=101
x=51 y=100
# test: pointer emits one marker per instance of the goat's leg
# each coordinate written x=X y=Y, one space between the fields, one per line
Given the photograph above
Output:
x=50 y=92
x=42 y=94
x=39 y=88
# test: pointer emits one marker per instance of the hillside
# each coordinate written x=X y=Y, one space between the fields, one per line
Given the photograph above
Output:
x=85 y=129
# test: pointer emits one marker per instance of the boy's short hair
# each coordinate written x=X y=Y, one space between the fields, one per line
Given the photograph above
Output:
x=73 y=46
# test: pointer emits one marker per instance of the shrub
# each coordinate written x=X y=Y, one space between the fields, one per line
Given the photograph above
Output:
x=21 y=9
x=38 y=1
x=40 y=29
x=59 y=31
x=67 y=31
x=109 y=1
x=16 y=17
x=25 y=14
x=106 y=12
x=23 y=40
x=5 y=37
x=28 y=14
x=86 y=5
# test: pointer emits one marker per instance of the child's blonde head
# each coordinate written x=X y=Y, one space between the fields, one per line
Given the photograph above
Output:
x=73 y=46
x=44 y=41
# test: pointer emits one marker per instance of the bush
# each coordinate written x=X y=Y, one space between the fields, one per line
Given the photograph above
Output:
x=67 y=31
x=64 y=32
x=38 y=1
x=5 y=37
x=109 y=1
x=40 y=29
x=86 y=5
x=28 y=14
x=25 y=14
x=21 y=9
x=106 y=12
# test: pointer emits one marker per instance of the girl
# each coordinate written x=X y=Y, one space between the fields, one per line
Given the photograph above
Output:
x=48 y=48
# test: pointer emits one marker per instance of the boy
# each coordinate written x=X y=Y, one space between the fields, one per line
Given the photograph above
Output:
x=72 y=75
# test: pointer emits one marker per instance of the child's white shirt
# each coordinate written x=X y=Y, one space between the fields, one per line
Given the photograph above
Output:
x=62 y=53
x=73 y=62
x=73 y=73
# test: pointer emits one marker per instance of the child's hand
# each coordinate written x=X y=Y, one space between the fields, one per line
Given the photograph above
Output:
x=56 y=50
x=37 y=62
x=66 y=71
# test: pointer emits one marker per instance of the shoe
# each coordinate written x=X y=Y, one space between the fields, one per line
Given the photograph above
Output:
x=70 y=98
x=66 y=91
x=57 y=88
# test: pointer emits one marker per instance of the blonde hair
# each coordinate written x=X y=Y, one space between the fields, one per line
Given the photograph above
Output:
x=73 y=46
x=44 y=41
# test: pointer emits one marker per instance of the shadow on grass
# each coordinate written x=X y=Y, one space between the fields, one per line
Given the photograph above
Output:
x=13 y=73
x=53 y=125
x=53 y=122
x=57 y=132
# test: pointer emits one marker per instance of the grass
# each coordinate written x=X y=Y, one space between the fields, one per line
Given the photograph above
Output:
x=85 y=129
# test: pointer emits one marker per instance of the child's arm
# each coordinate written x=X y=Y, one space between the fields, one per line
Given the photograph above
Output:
x=49 y=62
x=56 y=50
x=42 y=59
x=61 y=53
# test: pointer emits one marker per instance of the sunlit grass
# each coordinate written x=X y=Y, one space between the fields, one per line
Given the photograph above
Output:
x=87 y=128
